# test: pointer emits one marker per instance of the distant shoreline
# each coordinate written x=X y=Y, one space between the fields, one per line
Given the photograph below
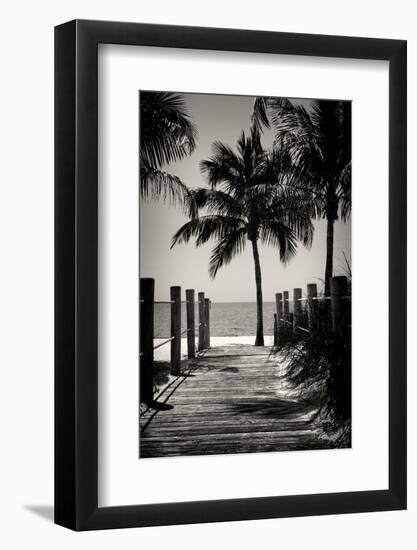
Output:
x=227 y=319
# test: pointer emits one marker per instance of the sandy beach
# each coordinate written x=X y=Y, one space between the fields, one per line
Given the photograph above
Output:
x=163 y=353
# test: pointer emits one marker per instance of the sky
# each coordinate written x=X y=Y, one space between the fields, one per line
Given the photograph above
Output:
x=223 y=117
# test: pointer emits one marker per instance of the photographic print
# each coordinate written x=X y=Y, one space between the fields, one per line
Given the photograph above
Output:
x=245 y=274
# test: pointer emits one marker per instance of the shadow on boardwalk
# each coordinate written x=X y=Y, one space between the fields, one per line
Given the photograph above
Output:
x=232 y=399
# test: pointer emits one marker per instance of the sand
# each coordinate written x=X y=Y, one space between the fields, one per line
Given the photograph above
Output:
x=163 y=353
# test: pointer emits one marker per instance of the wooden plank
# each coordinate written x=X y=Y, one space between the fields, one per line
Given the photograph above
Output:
x=233 y=399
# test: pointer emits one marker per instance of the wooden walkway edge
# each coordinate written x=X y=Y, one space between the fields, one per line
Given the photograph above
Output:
x=231 y=399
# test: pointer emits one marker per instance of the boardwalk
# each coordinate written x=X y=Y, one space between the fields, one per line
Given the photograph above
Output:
x=232 y=399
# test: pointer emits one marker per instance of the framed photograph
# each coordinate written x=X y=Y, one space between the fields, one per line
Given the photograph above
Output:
x=230 y=275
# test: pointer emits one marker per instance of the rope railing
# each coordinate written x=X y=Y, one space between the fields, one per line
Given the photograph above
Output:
x=319 y=298
x=164 y=342
x=338 y=299
x=298 y=326
x=147 y=347
x=168 y=340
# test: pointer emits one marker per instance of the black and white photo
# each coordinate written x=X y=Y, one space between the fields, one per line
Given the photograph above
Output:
x=245 y=274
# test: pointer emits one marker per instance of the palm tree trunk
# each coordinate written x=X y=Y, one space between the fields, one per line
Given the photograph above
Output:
x=259 y=340
x=329 y=255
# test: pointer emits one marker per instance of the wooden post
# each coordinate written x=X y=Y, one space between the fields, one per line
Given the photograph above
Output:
x=338 y=294
x=176 y=330
x=275 y=330
x=286 y=305
x=278 y=304
x=207 y=305
x=147 y=292
x=201 y=321
x=311 y=294
x=189 y=297
x=297 y=293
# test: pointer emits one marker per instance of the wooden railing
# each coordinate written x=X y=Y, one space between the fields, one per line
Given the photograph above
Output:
x=339 y=308
x=146 y=337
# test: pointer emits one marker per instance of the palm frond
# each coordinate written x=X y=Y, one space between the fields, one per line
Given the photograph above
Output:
x=216 y=202
x=299 y=220
x=279 y=235
x=226 y=249
x=284 y=204
x=224 y=166
x=345 y=191
x=264 y=109
x=205 y=228
x=345 y=133
x=319 y=145
x=296 y=218
x=167 y=132
x=259 y=113
x=296 y=134
x=155 y=184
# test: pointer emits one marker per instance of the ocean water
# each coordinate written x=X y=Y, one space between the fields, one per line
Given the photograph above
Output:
x=226 y=319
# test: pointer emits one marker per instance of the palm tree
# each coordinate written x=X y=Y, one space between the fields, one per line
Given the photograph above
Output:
x=167 y=134
x=319 y=144
x=247 y=201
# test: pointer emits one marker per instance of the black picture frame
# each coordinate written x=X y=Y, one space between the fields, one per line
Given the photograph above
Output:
x=76 y=273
